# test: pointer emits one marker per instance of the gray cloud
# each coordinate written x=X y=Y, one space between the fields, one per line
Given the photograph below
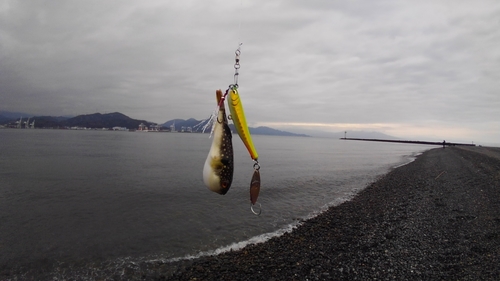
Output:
x=411 y=69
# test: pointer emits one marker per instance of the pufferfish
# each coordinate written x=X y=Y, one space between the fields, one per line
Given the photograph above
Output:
x=218 y=168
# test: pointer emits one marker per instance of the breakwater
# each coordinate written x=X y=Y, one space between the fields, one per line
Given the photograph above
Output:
x=444 y=143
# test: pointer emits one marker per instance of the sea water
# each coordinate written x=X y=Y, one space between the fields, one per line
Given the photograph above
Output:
x=80 y=198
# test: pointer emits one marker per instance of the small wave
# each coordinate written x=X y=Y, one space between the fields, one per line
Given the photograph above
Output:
x=238 y=245
x=262 y=237
x=408 y=159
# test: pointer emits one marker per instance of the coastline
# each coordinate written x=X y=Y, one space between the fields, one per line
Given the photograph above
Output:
x=437 y=217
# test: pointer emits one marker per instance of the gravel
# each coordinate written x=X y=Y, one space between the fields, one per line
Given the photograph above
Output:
x=437 y=218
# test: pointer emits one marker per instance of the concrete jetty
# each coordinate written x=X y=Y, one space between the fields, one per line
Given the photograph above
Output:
x=443 y=143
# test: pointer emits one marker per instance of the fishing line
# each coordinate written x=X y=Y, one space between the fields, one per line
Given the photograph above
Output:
x=239 y=24
x=218 y=168
x=237 y=116
x=240 y=124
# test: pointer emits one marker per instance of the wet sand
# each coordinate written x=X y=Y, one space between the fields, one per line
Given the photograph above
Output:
x=437 y=218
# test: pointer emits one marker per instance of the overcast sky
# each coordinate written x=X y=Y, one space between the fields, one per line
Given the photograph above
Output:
x=425 y=70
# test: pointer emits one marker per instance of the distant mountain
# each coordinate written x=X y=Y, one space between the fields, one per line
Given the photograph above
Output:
x=366 y=135
x=273 y=132
x=109 y=120
x=197 y=126
x=4 y=119
x=49 y=121
x=7 y=117
x=10 y=122
x=349 y=134
x=14 y=115
x=96 y=120
x=116 y=119
x=191 y=122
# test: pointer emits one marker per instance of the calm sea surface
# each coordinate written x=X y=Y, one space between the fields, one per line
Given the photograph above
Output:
x=76 y=199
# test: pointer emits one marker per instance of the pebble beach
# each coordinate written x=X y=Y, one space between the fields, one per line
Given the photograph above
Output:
x=437 y=218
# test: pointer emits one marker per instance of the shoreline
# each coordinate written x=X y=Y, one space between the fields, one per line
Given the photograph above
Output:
x=263 y=238
x=437 y=217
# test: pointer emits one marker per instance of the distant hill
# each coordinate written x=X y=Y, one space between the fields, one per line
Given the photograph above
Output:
x=109 y=120
x=116 y=119
x=13 y=115
x=367 y=135
x=270 y=131
x=10 y=117
x=4 y=119
x=197 y=126
x=7 y=117
x=96 y=120
x=349 y=134
x=49 y=121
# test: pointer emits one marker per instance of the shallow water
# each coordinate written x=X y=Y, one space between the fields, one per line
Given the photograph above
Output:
x=85 y=197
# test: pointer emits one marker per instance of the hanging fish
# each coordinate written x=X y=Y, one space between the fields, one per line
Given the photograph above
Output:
x=218 y=168
x=240 y=124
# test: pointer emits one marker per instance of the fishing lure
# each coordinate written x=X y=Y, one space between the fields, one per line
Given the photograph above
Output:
x=218 y=168
x=240 y=124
